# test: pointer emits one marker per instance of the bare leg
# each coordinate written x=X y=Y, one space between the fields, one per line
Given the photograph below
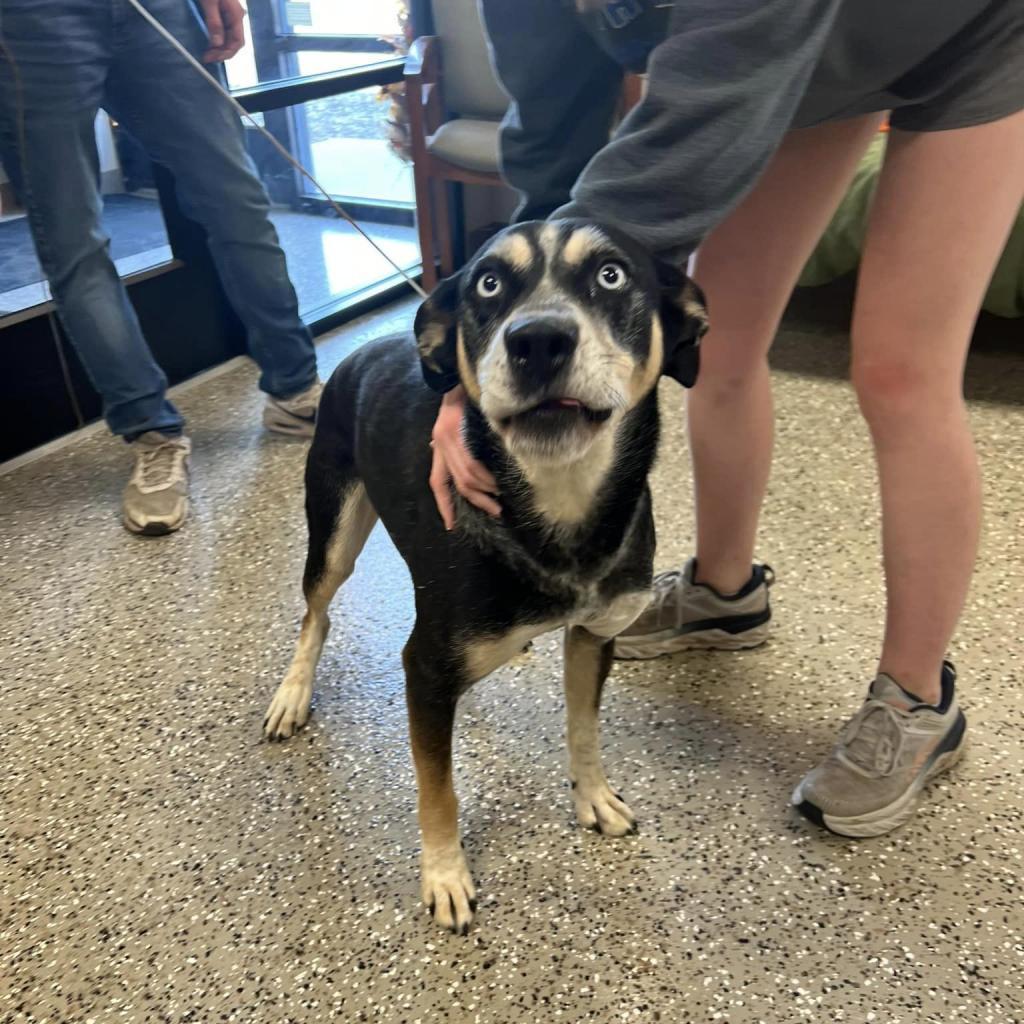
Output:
x=941 y=215
x=748 y=267
x=588 y=659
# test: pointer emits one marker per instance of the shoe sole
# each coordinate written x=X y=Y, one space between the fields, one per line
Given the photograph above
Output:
x=627 y=649
x=901 y=810
x=156 y=529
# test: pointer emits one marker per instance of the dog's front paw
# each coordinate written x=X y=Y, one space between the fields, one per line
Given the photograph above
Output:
x=448 y=890
x=288 y=711
x=601 y=809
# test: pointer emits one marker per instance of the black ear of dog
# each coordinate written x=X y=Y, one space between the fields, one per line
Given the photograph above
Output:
x=436 y=335
x=684 y=321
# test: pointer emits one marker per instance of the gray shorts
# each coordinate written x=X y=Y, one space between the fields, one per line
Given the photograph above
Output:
x=935 y=64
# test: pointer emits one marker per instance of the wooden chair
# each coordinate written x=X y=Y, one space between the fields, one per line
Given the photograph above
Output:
x=455 y=109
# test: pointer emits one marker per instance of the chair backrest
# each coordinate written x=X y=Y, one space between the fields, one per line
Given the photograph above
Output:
x=470 y=86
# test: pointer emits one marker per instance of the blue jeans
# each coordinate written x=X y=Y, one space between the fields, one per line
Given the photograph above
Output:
x=73 y=57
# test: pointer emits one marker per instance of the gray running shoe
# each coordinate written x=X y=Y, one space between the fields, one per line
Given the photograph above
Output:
x=686 y=616
x=296 y=415
x=886 y=753
x=156 y=498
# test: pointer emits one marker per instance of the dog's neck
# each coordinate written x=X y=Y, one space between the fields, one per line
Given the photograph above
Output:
x=567 y=515
x=565 y=495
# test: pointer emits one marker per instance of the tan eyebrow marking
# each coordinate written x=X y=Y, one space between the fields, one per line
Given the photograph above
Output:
x=582 y=242
x=514 y=249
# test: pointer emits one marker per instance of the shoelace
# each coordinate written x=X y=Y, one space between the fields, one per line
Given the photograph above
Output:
x=665 y=586
x=161 y=466
x=872 y=741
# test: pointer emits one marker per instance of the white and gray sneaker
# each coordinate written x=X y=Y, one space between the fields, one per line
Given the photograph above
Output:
x=684 y=615
x=296 y=415
x=156 y=498
x=886 y=754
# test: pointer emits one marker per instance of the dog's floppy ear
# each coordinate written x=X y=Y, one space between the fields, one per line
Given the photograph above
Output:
x=684 y=321
x=436 y=335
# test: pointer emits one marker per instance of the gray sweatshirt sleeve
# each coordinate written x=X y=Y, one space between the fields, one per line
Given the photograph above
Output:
x=722 y=90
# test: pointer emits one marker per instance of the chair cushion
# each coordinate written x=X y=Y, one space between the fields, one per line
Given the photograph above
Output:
x=467 y=142
x=468 y=81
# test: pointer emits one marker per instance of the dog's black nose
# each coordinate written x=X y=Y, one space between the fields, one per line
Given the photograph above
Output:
x=540 y=346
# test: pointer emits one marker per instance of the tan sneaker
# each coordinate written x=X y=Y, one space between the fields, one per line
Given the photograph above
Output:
x=685 y=616
x=296 y=415
x=156 y=498
x=870 y=783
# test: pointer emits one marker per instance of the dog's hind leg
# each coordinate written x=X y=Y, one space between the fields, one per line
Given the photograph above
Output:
x=431 y=695
x=340 y=519
x=588 y=660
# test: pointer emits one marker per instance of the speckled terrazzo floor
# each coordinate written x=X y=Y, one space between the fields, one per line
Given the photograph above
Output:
x=158 y=863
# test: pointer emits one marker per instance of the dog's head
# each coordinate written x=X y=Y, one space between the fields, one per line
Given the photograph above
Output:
x=556 y=330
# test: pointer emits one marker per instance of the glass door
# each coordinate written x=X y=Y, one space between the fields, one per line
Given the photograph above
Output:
x=344 y=139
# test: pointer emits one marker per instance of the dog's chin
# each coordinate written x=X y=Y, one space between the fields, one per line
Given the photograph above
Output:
x=553 y=432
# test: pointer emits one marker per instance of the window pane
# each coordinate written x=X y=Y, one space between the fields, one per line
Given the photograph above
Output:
x=342 y=140
x=343 y=17
x=349 y=153
x=286 y=39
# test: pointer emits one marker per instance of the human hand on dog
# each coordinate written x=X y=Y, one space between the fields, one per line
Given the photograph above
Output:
x=225 y=23
x=453 y=464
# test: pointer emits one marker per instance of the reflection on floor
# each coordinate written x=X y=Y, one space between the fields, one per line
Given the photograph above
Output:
x=162 y=864
x=327 y=259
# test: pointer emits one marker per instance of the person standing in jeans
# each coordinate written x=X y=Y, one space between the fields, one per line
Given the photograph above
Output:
x=61 y=61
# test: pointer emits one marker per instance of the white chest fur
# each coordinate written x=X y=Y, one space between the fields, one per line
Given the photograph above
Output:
x=613 y=618
x=565 y=494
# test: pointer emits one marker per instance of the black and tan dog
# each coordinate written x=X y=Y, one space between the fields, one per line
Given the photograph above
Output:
x=559 y=333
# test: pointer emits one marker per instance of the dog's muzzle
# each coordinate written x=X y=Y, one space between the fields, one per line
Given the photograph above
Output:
x=540 y=348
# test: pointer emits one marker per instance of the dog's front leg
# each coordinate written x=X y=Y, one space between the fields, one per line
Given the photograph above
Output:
x=588 y=659
x=447 y=886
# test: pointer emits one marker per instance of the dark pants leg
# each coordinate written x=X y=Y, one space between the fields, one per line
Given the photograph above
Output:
x=564 y=91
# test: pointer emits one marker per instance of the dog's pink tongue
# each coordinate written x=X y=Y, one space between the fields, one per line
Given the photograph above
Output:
x=567 y=403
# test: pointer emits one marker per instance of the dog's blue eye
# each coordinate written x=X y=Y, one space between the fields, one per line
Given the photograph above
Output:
x=488 y=286
x=611 y=276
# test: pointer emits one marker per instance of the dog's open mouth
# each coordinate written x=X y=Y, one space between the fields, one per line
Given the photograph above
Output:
x=556 y=412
